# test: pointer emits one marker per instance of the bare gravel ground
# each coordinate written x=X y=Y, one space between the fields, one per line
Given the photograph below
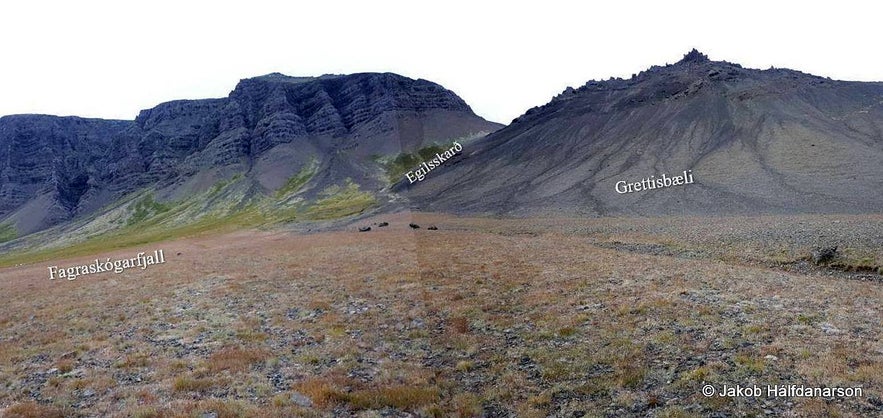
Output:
x=482 y=317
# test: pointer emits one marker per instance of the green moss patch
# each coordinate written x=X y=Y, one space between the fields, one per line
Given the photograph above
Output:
x=7 y=232
x=298 y=181
x=150 y=221
x=397 y=165
x=339 y=202
x=145 y=208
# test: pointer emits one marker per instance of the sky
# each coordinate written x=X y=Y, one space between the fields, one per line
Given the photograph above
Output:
x=110 y=59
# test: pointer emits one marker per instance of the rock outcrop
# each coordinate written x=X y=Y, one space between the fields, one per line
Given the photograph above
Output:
x=53 y=169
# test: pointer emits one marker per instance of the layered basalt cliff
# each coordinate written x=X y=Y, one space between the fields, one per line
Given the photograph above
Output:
x=53 y=169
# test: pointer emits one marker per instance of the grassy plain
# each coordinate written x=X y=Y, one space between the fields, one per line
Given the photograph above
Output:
x=524 y=317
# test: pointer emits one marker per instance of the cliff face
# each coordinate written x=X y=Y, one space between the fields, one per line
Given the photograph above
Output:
x=768 y=141
x=53 y=169
x=63 y=160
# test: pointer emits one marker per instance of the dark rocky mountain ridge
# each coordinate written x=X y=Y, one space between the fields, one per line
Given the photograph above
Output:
x=757 y=141
x=54 y=169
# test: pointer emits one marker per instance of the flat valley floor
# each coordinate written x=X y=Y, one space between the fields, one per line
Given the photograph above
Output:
x=482 y=317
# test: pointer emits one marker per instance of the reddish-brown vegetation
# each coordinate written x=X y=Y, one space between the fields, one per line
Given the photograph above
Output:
x=534 y=317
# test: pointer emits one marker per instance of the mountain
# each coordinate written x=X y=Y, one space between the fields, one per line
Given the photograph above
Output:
x=268 y=131
x=756 y=141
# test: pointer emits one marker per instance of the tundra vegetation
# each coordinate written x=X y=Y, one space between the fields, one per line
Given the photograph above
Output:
x=532 y=317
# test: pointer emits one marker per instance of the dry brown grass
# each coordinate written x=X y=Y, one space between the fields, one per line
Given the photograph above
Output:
x=467 y=405
x=460 y=324
x=236 y=359
x=32 y=410
x=192 y=384
x=403 y=397
x=322 y=392
x=528 y=317
x=65 y=365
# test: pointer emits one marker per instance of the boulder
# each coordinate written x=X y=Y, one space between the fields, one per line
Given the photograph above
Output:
x=822 y=255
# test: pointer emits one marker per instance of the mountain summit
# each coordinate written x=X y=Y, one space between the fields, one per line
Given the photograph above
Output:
x=757 y=141
x=694 y=56
x=269 y=129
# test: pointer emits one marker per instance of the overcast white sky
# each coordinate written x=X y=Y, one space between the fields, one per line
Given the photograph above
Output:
x=112 y=58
